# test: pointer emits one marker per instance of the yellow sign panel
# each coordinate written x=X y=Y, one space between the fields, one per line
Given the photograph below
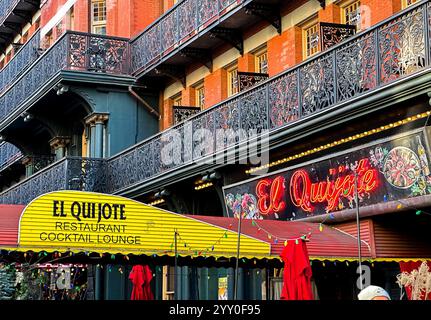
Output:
x=84 y=221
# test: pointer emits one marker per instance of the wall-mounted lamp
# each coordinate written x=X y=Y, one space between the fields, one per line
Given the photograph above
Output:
x=27 y=116
x=61 y=88
x=211 y=176
x=162 y=193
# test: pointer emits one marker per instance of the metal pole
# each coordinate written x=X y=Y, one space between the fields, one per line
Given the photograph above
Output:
x=235 y=293
x=358 y=226
x=175 y=268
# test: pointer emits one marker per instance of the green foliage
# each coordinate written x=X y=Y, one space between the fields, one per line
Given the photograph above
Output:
x=7 y=281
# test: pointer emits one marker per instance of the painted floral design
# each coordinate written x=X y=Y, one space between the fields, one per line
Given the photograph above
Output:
x=243 y=203
x=402 y=167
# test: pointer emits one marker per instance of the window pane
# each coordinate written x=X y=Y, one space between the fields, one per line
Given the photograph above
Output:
x=200 y=97
x=311 y=40
x=262 y=62
x=233 y=81
x=352 y=14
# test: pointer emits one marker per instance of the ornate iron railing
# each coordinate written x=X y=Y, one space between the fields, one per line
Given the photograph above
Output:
x=71 y=173
x=370 y=60
x=178 y=25
x=8 y=154
x=6 y=8
x=73 y=51
x=26 y=55
x=182 y=113
x=332 y=34
x=246 y=80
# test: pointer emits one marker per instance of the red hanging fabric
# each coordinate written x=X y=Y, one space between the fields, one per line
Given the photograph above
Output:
x=297 y=272
x=409 y=266
x=141 y=277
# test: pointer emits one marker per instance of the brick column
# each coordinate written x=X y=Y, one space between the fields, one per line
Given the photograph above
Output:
x=377 y=10
x=285 y=50
x=215 y=87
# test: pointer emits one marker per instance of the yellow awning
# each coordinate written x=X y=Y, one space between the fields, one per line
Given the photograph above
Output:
x=78 y=221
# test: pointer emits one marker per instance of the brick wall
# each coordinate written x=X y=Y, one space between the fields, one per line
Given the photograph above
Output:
x=381 y=9
x=215 y=87
x=284 y=51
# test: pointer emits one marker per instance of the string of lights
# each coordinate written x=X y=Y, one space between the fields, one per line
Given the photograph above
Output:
x=340 y=142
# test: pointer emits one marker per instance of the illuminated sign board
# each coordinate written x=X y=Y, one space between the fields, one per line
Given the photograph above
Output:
x=389 y=170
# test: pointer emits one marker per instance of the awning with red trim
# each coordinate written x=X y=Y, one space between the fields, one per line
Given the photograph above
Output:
x=328 y=243
x=9 y=221
x=259 y=239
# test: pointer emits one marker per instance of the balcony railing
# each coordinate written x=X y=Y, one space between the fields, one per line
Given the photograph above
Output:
x=371 y=60
x=73 y=51
x=175 y=27
x=8 y=154
x=70 y=173
x=6 y=8
x=365 y=62
x=25 y=56
x=182 y=113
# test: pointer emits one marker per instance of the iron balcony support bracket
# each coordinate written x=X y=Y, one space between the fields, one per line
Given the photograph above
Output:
x=174 y=72
x=14 y=26
x=202 y=56
x=269 y=13
x=231 y=36
x=24 y=14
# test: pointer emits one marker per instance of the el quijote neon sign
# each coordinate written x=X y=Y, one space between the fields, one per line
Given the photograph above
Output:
x=305 y=194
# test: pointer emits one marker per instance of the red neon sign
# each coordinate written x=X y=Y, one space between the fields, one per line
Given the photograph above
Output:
x=271 y=202
x=304 y=193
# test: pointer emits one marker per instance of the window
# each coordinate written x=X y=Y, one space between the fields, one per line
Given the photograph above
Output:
x=8 y=56
x=71 y=19
x=200 y=96
x=177 y=101
x=24 y=38
x=407 y=3
x=311 y=40
x=37 y=24
x=49 y=39
x=261 y=61
x=98 y=9
x=351 y=14
x=232 y=81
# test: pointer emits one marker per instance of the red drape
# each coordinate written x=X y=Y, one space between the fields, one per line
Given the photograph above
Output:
x=297 y=272
x=409 y=267
x=141 y=277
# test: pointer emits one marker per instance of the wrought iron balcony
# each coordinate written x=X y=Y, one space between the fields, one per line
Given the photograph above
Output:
x=25 y=56
x=71 y=173
x=182 y=113
x=362 y=64
x=176 y=27
x=8 y=154
x=14 y=14
x=73 y=51
x=6 y=8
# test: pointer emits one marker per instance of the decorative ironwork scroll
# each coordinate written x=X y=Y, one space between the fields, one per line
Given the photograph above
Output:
x=247 y=80
x=332 y=33
x=182 y=113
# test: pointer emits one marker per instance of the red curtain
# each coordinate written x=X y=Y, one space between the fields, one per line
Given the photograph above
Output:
x=297 y=272
x=141 y=277
x=409 y=267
